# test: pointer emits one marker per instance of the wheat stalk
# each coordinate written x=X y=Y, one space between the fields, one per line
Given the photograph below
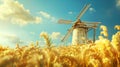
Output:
x=47 y=39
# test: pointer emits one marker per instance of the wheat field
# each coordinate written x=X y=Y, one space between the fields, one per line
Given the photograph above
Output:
x=102 y=53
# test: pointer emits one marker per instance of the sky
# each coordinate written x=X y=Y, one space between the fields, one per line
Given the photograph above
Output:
x=22 y=21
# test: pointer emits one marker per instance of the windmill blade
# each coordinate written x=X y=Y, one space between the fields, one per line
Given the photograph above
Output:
x=92 y=26
x=83 y=11
x=62 y=21
x=86 y=22
x=68 y=34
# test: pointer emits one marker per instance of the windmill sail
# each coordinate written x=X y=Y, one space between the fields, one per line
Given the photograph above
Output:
x=61 y=21
x=83 y=11
x=68 y=34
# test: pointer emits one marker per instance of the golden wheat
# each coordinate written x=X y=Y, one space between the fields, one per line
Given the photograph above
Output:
x=102 y=53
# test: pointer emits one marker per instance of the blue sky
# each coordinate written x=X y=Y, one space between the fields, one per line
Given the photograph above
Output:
x=22 y=21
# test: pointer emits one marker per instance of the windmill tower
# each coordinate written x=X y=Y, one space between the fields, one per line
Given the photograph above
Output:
x=79 y=28
x=79 y=33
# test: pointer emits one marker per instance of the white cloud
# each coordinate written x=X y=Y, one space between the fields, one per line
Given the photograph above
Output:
x=91 y=9
x=47 y=16
x=13 y=11
x=33 y=33
x=55 y=35
x=8 y=39
x=70 y=12
x=118 y=3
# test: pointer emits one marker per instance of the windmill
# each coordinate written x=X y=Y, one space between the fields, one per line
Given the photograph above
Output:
x=79 y=28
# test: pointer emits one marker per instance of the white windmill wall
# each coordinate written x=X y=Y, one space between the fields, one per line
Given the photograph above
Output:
x=79 y=36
